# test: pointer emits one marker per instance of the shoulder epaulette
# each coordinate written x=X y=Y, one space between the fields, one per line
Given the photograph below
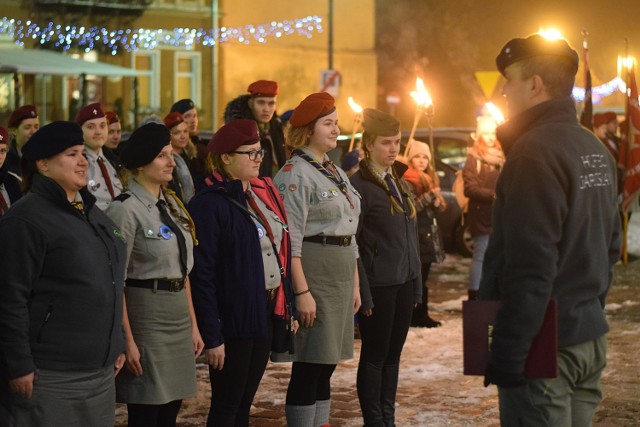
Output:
x=122 y=197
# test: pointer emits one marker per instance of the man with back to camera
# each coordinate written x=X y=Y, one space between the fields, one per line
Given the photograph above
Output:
x=555 y=236
x=260 y=105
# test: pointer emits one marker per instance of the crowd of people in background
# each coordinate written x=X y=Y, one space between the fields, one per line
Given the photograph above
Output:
x=132 y=259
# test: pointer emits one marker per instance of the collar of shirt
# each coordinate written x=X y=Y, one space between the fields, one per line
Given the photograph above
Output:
x=314 y=157
x=378 y=170
x=142 y=194
x=92 y=156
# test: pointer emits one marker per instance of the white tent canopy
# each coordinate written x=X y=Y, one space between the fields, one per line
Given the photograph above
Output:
x=32 y=61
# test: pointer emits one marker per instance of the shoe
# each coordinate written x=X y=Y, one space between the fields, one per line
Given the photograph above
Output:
x=425 y=322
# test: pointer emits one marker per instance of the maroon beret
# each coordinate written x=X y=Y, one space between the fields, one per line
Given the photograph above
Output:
x=172 y=120
x=312 y=107
x=535 y=45
x=604 y=118
x=22 y=113
x=111 y=117
x=233 y=134
x=263 y=88
x=4 y=136
x=89 y=112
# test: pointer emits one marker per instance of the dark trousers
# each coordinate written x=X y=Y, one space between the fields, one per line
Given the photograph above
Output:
x=153 y=415
x=383 y=336
x=309 y=383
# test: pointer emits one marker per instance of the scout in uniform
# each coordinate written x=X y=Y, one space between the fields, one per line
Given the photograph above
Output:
x=323 y=210
x=103 y=181
x=23 y=123
x=9 y=181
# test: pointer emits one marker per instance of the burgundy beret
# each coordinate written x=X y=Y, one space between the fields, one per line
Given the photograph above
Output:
x=89 y=112
x=22 y=113
x=52 y=139
x=535 y=45
x=112 y=117
x=183 y=106
x=233 y=134
x=144 y=145
x=4 y=136
x=263 y=88
x=172 y=120
x=312 y=107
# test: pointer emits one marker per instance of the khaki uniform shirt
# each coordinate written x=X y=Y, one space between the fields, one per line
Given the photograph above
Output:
x=96 y=183
x=314 y=203
x=151 y=254
x=269 y=258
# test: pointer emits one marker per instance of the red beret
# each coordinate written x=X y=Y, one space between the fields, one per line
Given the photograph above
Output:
x=233 y=134
x=111 y=117
x=263 y=88
x=604 y=118
x=312 y=107
x=22 y=113
x=4 y=136
x=89 y=112
x=172 y=120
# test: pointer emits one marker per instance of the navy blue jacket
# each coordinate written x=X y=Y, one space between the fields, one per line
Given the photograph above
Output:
x=227 y=279
x=11 y=184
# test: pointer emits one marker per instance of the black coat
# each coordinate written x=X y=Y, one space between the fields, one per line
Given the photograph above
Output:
x=11 y=184
x=61 y=283
x=238 y=108
x=387 y=243
x=480 y=187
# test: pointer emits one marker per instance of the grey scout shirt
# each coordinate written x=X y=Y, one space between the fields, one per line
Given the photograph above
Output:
x=95 y=181
x=314 y=203
x=149 y=254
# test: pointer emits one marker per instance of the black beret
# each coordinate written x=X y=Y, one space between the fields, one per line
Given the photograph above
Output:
x=144 y=144
x=378 y=123
x=535 y=45
x=52 y=139
x=183 y=106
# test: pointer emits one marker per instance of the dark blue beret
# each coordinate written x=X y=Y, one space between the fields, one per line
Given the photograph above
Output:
x=535 y=45
x=350 y=160
x=286 y=115
x=183 y=106
x=52 y=139
x=144 y=144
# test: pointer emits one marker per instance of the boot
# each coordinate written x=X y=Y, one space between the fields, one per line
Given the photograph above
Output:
x=388 y=394
x=420 y=317
x=368 y=381
x=473 y=295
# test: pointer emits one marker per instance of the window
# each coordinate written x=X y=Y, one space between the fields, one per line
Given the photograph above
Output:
x=187 y=76
x=148 y=66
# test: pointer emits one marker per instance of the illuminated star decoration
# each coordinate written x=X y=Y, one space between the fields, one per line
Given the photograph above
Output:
x=90 y=38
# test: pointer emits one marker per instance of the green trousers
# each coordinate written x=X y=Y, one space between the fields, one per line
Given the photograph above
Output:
x=570 y=400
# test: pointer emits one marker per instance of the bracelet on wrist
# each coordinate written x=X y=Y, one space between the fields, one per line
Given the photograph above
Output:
x=302 y=293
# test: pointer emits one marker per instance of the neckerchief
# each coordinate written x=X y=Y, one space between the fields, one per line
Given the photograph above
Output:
x=334 y=177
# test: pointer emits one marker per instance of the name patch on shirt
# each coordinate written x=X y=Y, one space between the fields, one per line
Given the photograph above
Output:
x=595 y=172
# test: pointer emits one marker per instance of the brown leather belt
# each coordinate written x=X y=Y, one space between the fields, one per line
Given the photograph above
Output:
x=171 y=285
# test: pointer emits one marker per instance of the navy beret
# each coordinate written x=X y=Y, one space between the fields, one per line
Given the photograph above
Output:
x=144 y=144
x=52 y=139
x=535 y=45
x=233 y=134
x=183 y=106
x=379 y=123
x=350 y=160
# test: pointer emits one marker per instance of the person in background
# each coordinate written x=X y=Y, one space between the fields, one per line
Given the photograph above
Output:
x=428 y=202
x=115 y=131
x=260 y=105
x=389 y=266
x=196 y=152
x=241 y=266
x=182 y=182
x=605 y=126
x=161 y=334
x=9 y=182
x=480 y=174
x=23 y=123
x=350 y=163
x=62 y=264
x=323 y=210
x=103 y=181
x=556 y=235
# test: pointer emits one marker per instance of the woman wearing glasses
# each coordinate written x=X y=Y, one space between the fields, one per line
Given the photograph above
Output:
x=240 y=276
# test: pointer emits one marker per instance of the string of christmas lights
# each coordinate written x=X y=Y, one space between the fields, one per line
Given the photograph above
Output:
x=65 y=37
x=602 y=91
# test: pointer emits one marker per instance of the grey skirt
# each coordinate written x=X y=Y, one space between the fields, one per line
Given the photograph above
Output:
x=162 y=331
x=329 y=271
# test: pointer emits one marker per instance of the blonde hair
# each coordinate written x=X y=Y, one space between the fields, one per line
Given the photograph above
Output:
x=298 y=136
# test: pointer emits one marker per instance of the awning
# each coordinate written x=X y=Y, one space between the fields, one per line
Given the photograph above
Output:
x=33 y=61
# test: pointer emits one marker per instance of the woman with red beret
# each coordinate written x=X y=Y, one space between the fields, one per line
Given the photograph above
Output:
x=241 y=288
x=23 y=123
x=9 y=181
x=182 y=182
x=323 y=210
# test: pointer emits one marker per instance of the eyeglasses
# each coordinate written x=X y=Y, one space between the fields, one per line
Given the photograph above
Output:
x=3 y=151
x=253 y=154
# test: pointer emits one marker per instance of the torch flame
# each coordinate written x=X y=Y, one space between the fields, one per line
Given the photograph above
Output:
x=354 y=106
x=550 y=33
x=421 y=95
x=495 y=112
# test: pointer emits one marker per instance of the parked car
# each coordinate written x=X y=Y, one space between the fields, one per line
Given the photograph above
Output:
x=450 y=146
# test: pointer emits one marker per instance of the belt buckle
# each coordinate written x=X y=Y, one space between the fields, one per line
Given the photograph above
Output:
x=175 y=285
x=345 y=240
